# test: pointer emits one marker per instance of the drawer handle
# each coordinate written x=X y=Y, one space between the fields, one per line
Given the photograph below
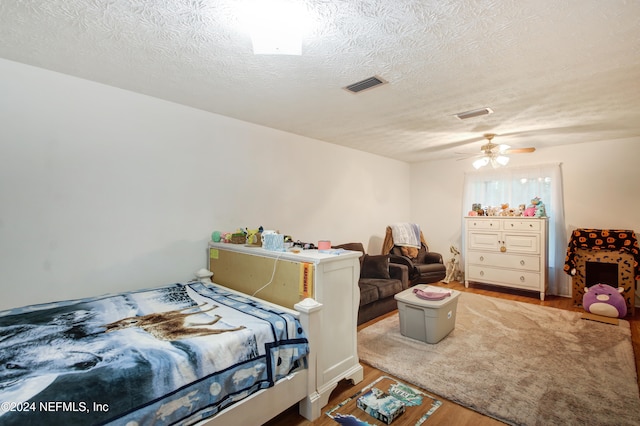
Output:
x=522 y=278
x=512 y=225
x=481 y=258
x=531 y=225
x=482 y=273
x=522 y=262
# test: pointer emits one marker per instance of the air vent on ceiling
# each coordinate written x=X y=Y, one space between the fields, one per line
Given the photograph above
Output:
x=366 y=84
x=474 y=113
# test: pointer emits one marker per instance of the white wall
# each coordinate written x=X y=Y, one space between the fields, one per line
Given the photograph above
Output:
x=106 y=190
x=600 y=189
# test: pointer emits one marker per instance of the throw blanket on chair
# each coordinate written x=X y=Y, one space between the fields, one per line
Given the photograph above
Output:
x=406 y=234
x=388 y=243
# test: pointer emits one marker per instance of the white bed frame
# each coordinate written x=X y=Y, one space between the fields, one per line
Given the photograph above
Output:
x=298 y=387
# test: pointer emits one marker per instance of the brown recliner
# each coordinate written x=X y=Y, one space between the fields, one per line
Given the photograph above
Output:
x=424 y=266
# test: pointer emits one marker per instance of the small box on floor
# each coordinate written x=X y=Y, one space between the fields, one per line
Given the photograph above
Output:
x=380 y=405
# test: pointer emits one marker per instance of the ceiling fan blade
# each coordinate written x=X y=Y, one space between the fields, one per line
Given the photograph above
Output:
x=519 y=150
x=466 y=155
x=568 y=129
x=452 y=145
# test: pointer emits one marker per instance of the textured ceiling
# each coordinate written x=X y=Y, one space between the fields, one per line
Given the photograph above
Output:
x=554 y=71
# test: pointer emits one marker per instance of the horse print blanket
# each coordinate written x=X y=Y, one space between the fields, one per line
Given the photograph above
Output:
x=169 y=355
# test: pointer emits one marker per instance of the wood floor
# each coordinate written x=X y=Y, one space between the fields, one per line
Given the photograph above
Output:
x=449 y=413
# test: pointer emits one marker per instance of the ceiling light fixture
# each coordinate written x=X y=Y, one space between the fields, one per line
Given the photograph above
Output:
x=480 y=162
x=495 y=160
x=276 y=27
x=493 y=154
x=502 y=160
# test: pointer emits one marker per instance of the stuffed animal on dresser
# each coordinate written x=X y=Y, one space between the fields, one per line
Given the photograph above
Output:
x=535 y=209
x=541 y=211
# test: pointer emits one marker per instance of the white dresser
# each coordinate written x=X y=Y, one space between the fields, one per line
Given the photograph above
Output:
x=507 y=251
x=332 y=280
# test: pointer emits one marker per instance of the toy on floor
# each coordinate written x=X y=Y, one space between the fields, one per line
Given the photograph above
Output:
x=602 y=299
x=453 y=266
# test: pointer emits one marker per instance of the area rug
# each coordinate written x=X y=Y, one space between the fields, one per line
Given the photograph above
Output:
x=519 y=363
x=417 y=405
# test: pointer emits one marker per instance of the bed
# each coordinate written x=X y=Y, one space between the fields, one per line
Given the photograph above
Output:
x=186 y=353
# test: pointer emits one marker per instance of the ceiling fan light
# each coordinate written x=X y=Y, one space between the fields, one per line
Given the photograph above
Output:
x=480 y=162
x=502 y=147
x=502 y=160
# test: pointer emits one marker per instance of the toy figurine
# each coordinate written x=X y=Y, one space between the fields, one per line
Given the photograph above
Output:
x=453 y=266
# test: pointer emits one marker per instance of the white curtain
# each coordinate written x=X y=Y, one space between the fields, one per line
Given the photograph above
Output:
x=493 y=187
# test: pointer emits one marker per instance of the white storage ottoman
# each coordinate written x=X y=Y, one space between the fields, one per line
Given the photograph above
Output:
x=427 y=320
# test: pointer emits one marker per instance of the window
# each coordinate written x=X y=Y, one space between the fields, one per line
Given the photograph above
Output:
x=496 y=190
x=518 y=186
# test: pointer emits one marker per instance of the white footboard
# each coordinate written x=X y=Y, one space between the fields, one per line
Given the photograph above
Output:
x=298 y=387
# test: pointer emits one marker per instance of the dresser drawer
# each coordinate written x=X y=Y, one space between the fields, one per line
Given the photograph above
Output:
x=516 y=279
x=483 y=224
x=521 y=225
x=501 y=260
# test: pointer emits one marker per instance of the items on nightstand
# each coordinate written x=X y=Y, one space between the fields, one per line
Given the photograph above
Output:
x=237 y=237
x=254 y=236
x=324 y=245
x=304 y=246
x=272 y=241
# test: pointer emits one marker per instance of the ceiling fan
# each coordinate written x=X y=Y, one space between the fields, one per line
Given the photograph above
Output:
x=495 y=154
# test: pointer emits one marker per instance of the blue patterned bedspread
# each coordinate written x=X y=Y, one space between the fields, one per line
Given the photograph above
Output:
x=170 y=355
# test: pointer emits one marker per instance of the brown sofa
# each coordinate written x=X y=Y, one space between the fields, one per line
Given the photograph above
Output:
x=380 y=280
